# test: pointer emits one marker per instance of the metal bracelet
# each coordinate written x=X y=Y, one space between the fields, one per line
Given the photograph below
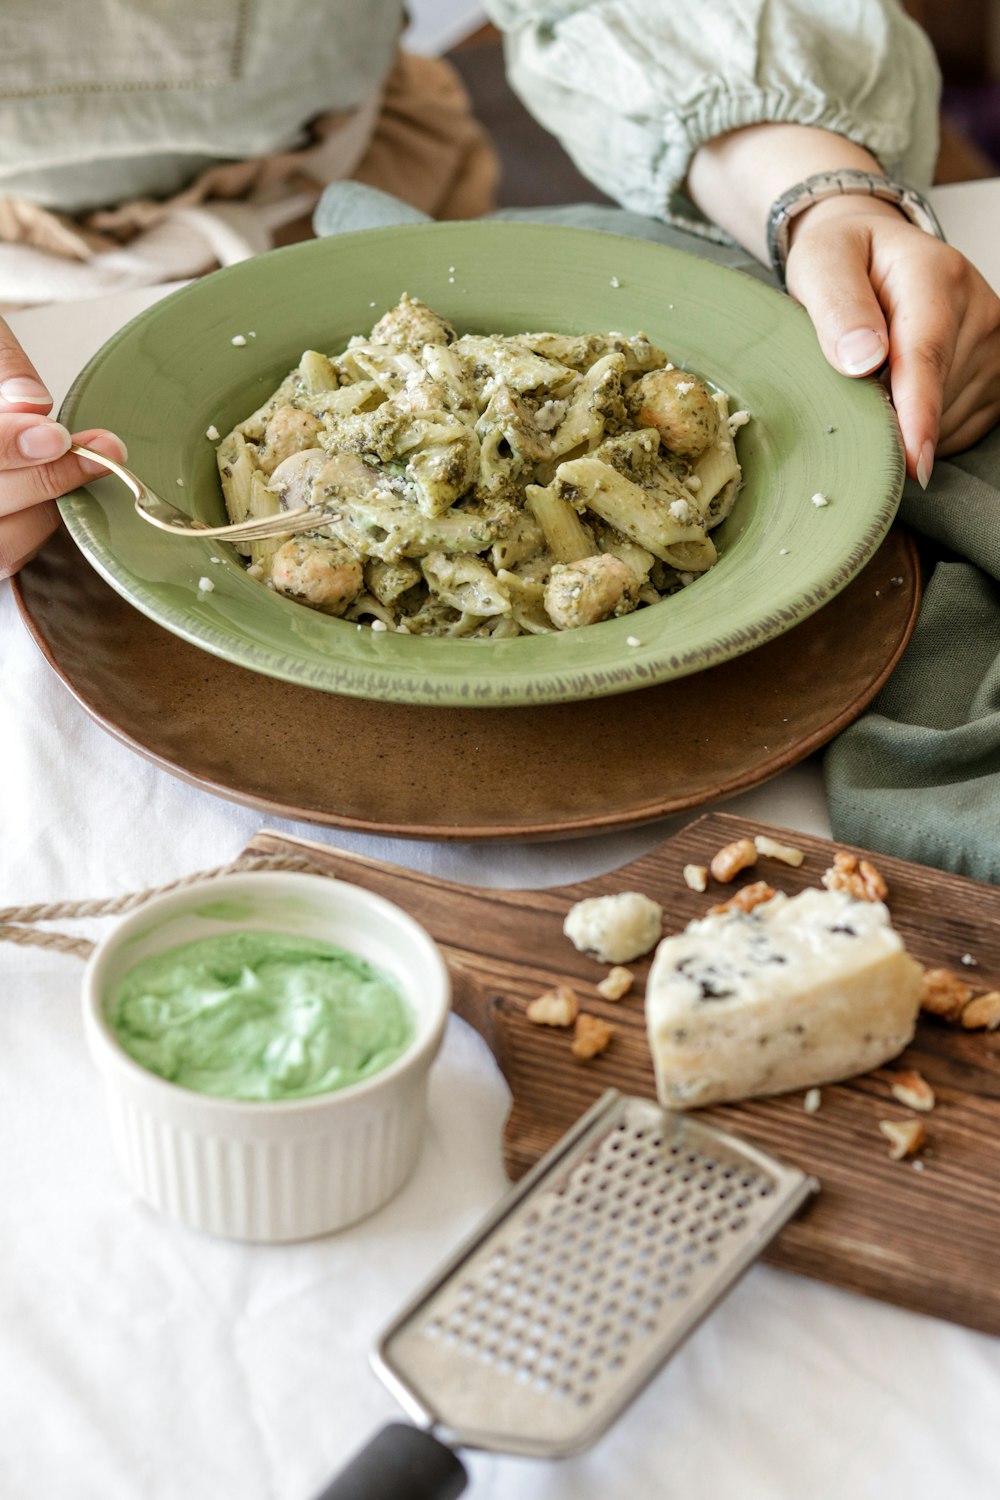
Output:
x=830 y=185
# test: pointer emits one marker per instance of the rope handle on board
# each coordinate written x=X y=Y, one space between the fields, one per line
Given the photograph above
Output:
x=17 y=923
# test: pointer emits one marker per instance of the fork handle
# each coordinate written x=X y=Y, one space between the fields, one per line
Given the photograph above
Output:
x=400 y=1463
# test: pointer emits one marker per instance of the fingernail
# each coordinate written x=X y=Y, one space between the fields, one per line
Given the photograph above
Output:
x=20 y=391
x=925 y=464
x=860 y=351
x=112 y=447
x=47 y=440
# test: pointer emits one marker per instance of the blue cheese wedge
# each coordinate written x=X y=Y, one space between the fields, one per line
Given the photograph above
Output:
x=799 y=991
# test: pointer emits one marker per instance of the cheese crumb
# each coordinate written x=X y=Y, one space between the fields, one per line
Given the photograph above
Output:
x=238 y=340
x=180 y=484
x=615 y=929
x=968 y=960
x=206 y=586
x=696 y=877
x=615 y=282
x=819 y=501
x=632 y=640
x=212 y=433
x=379 y=625
x=812 y=1101
x=738 y=419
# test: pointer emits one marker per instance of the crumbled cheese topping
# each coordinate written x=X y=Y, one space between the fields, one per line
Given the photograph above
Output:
x=212 y=433
x=238 y=339
x=205 y=586
x=550 y=415
x=819 y=501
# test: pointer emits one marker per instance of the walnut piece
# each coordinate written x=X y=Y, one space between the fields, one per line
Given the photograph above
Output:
x=591 y=1036
x=906 y=1137
x=745 y=899
x=773 y=850
x=616 y=983
x=857 y=877
x=912 y=1089
x=558 y=1007
x=982 y=1012
x=730 y=860
x=945 y=994
x=696 y=877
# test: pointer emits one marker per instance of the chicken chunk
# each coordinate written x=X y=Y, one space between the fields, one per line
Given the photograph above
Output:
x=288 y=431
x=581 y=593
x=410 y=325
x=679 y=406
x=325 y=575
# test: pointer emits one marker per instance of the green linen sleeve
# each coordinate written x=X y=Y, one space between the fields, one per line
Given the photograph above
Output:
x=632 y=88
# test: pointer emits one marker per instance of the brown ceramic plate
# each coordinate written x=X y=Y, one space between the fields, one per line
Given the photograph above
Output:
x=466 y=773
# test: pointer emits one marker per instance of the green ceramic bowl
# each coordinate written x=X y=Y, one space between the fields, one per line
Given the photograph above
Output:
x=174 y=371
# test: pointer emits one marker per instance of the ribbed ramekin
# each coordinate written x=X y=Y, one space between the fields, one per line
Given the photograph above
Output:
x=282 y=1170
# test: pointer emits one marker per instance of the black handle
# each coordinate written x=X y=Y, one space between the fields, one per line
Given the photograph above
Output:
x=400 y=1463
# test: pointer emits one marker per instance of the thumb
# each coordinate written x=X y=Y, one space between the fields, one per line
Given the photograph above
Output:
x=830 y=276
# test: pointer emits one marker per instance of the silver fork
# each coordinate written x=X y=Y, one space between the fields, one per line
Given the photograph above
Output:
x=159 y=512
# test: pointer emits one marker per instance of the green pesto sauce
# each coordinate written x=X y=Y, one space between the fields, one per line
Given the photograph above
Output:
x=260 y=1015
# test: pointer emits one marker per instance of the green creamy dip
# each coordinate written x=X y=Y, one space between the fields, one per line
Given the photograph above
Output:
x=260 y=1015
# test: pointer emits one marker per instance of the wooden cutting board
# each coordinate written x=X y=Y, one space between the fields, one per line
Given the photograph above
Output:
x=924 y=1238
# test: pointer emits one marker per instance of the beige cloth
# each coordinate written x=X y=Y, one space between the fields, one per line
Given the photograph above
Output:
x=418 y=141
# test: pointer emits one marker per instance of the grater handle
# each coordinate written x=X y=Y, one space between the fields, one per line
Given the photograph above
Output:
x=400 y=1463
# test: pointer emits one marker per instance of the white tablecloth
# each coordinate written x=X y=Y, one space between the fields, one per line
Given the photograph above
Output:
x=140 y=1361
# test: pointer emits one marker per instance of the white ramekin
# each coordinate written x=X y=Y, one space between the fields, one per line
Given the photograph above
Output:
x=291 y=1169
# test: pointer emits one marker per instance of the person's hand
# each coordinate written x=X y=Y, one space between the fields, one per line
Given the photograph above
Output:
x=35 y=464
x=881 y=291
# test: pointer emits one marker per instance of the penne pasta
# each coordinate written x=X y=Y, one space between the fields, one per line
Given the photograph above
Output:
x=486 y=485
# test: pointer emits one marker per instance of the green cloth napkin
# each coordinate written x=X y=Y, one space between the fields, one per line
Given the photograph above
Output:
x=918 y=775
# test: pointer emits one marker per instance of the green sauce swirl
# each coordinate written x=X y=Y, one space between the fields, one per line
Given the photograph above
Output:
x=260 y=1015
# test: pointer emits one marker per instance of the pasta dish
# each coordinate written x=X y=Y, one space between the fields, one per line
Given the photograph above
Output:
x=485 y=485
